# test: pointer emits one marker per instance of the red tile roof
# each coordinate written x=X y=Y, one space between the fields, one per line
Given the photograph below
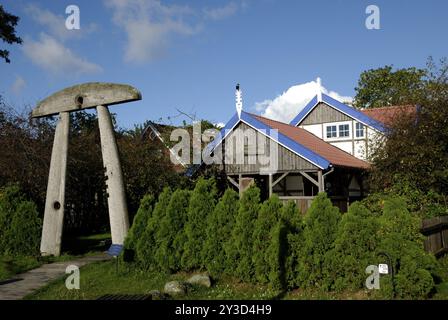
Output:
x=387 y=115
x=336 y=156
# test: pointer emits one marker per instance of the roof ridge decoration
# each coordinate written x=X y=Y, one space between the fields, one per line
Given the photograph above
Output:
x=342 y=107
x=239 y=100
x=319 y=89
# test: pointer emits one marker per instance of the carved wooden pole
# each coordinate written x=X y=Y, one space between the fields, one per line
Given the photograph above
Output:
x=55 y=200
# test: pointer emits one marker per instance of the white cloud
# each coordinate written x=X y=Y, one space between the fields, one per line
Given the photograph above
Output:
x=221 y=12
x=53 y=56
x=55 y=24
x=287 y=105
x=18 y=85
x=149 y=25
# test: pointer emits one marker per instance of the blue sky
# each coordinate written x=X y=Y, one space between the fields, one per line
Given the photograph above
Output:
x=190 y=54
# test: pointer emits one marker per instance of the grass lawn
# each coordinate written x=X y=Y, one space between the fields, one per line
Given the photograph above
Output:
x=101 y=278
x=74 y=247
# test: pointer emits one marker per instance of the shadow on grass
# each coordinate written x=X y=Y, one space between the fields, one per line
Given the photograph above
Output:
x=79 y=245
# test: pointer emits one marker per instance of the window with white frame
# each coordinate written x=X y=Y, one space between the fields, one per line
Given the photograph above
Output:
x=331 y=132
x=344 y=130
x=359 y=130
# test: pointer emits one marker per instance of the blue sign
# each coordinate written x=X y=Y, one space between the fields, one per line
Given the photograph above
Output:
x=115 y=250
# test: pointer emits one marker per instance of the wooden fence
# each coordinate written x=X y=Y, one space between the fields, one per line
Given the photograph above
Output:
x=436 y=232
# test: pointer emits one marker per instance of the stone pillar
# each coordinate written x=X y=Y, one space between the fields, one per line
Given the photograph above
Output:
x=118 y=211
x=55 y=200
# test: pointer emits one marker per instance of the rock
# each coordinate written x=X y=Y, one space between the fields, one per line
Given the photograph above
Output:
x=201 y=280
x=175 y=288
x=156 y=295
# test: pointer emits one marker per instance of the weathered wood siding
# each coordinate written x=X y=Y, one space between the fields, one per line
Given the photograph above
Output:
x=323 y=113
x=286 y=160
x=436 y=232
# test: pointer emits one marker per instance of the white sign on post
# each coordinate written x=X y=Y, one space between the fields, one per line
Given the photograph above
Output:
x=383 y=268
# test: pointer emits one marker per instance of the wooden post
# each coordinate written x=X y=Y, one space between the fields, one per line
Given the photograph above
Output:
x=270 y=185
x=320 y=180
x=240 y=182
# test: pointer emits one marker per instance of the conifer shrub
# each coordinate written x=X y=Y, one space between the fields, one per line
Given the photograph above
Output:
x=220 y=224
x=242 y=234
x=355 y=248
x=400 y=238
x=20 y=225
x=170 y=237
x=202 y=203
x=138 y=227
x=146 y=245
x=321 y=225
x=266 y=222
x=293 y=222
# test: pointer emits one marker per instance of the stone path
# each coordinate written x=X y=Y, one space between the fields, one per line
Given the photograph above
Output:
x=25 y=283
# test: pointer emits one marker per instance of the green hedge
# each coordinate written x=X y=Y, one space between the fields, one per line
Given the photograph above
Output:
x=20 y=225
x=272 y=243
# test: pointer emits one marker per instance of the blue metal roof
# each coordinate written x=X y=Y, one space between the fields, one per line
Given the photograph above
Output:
x=292 y=145
x=351 y=112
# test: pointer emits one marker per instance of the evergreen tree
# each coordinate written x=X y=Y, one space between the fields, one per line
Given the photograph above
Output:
x=355 y=248
x=219 y=232
x=242 y=233
x=267 y=220
x=171 y=235
x=202 y=204
x=138 y=227
x=292 y=219
x=146 y=245
x=321 y=224
x=20 y=225
x=402 y=240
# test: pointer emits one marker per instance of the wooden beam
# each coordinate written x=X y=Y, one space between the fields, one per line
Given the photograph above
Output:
x=278 y=180
x=311 y=179
x=232 y=181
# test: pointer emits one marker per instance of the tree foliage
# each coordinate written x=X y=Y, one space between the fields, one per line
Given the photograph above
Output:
x=171 y=236
x=146 y=245
x=139 y=224
x=242 y=234
x=321 y=224
x=355 y=248
x=25 y=159
x=415 y=153
x=401 y=239
x=220 y=224
x=267 y=220
x=293 y=222
x=202 y=203
x=8 y=23
x=387 y=87
x=20 y=225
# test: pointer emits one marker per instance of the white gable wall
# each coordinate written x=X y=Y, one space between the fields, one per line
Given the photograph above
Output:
x=360 y=147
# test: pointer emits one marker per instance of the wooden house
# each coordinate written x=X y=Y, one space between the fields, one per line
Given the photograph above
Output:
x=307 y=157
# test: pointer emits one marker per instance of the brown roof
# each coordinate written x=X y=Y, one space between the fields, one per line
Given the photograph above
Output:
x=387 y=115
x=333 y=154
